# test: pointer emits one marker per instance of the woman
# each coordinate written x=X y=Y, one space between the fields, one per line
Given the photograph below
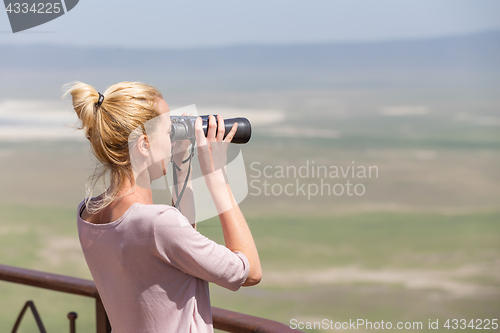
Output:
x=150 y=266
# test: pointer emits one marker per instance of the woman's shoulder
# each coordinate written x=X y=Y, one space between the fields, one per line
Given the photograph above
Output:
x=157 y=208
x=137 y=211
x=157 y=214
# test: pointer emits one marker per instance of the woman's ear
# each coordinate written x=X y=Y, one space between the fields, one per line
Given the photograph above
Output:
x=143 y=145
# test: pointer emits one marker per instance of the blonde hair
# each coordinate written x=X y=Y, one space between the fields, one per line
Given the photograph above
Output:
x=126 y=106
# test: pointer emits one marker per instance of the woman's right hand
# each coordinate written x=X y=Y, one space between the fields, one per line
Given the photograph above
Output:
x=212 y=150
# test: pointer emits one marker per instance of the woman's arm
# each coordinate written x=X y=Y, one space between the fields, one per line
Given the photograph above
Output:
x=212 y=153
x=237 y=235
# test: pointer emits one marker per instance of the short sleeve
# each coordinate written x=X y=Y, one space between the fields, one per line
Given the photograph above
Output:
x=194 y=254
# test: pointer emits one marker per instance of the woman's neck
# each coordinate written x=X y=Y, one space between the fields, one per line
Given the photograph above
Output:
x=133 y=193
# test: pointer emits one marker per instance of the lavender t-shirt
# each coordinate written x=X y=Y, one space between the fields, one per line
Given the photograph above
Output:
x=151 y=269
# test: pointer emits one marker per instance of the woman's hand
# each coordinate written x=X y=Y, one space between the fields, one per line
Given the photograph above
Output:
x=212 y=150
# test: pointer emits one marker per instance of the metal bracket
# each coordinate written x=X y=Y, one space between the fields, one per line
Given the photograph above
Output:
x=38 y=320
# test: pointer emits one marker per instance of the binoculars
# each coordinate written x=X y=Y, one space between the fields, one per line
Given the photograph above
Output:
x=183 y=128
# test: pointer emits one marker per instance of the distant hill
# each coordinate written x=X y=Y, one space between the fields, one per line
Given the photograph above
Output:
x=248 y=66
x=478 y=50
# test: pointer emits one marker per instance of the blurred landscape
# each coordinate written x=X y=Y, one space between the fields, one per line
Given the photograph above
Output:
x=421 y=243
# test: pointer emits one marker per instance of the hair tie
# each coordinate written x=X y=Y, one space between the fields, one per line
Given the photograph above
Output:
x=101 y=99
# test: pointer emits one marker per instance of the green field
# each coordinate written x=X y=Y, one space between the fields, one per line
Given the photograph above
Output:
x=421 y=244
x=375 y=266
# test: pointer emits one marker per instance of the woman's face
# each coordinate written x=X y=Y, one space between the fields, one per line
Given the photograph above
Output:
x=159 y=142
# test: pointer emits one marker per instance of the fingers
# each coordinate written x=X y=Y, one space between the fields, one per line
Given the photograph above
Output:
x=204 y=155
x=220 y=128
x=212 y=128
x=231 y=133
x=198 y=132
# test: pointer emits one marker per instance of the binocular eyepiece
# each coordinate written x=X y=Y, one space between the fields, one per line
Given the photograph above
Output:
x=183 y=128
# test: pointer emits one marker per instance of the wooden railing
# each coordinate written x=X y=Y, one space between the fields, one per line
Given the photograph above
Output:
x=225 y=320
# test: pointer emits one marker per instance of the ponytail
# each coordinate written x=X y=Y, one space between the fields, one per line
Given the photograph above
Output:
x=108 y=120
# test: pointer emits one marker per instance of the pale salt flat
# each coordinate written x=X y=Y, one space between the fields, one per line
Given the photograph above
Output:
x=28 y=120
x=33 y=133
x=303 y=132
x=407 y=110
x=52 y=120
x=426 y=155
x=31 y=120
x=477 y=120
x=450 y=281
x=255 y=116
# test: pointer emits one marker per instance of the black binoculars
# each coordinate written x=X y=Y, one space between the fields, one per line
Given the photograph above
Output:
x=183 y=128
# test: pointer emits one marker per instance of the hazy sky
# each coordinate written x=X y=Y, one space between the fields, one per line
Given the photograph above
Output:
x=188 y=23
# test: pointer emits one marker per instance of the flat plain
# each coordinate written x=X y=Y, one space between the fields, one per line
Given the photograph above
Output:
x=421 y=243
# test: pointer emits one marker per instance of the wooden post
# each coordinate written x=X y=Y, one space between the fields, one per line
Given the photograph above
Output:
x=101 y=318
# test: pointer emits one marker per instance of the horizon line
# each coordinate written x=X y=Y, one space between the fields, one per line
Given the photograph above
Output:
x=253 y=44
